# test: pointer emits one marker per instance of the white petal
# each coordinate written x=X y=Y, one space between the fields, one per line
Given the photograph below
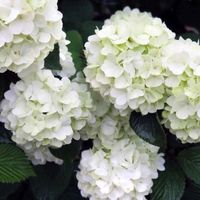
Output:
x=111 y=69
x=172 y=81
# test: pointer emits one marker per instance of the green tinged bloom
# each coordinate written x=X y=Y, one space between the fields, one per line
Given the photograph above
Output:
x=181 y=58
x=124 y=61
x=29 y=30
x=120 y=165
x=106 y=124
x=43 y=111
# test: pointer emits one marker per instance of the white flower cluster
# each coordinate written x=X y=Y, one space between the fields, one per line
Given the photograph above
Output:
x=120 y=166
x=28 y=32
x=123 y=172
x=43 y=111
x=124 y=61
x=107 y=124
x=181 y=58
x=39 y=155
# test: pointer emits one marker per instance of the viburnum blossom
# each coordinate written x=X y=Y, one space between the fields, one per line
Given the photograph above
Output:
x=28 y=32
x=123 y=172
x=43 y=111
x=181 y=58
x=124 y=61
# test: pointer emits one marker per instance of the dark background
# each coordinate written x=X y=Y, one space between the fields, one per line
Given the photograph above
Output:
x=180 y=16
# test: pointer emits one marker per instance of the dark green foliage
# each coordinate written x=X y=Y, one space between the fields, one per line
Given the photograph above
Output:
x=76 y=12
x=51 y=180
x=14 y=166
x=192 y=192
x=189 y=160
x=170 y=183
x=68 y=153
x=52 y=60
x=192 y=36
x=148 y=128
x=7 y=189
x=87 y=28
x=76 y=49
x=72 y=192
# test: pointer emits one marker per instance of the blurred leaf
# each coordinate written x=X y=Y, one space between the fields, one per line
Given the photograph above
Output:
x=76 y=41
x=88 y=27
x=166 y=4
x=51 y=180
x=173 y=142
x=14 y=166
x=192 y=192
x=148 y=128
x=68 y=152
x=71 y=194
x=2 y=87
x=75 y=12
x=189 y=160
x=53 y=61
x=193 y=36
x=187 y=12
x=7 y=189
x=76 y=48
x=5 y=135
x=170 y=183
x=5 y=80
x=22 y=193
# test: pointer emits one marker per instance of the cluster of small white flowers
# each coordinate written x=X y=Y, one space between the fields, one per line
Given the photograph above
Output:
x=181 y=58
x=124 y=61
x=120 y=165
x=124 y=172
x=107 y=124
x=39 y=155
x=43 y=111
x=28 y=32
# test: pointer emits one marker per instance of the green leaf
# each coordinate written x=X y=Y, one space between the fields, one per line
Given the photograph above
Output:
x=148 y=128
x=53 y=61
x=76 y=48
x=192 y=192
x=51 y=180
x=189 y=160
x=68 y=152
x=14 y=166
x=170 y=183
x=7 y=189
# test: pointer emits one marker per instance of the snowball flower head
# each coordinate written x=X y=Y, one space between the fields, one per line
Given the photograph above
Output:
x=124 y=61
x=124 y=172
x=181 y=58
x=44 y=111
x=28 y=32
